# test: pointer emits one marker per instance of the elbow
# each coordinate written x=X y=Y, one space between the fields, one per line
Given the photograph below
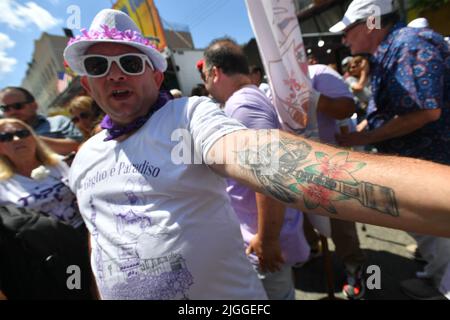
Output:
x=429 y=116
x=337 y=108
x=346 y=110
x=434 y=115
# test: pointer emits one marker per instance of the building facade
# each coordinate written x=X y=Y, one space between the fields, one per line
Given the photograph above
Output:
x=41 y=78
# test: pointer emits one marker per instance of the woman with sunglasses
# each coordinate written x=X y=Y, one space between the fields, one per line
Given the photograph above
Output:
x=86 y=115
x=34 y=177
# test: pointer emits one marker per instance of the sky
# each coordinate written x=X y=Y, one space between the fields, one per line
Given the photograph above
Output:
x=23 y=21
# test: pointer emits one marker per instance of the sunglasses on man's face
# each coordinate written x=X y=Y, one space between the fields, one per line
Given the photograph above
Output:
x=82 y=116
x=9 y=136
x=15 y=106
x=132 y=64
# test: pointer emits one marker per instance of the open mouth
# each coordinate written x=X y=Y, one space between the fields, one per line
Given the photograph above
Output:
x=121 y=94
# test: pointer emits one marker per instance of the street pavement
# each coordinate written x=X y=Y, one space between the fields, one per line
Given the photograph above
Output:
x=383 y=247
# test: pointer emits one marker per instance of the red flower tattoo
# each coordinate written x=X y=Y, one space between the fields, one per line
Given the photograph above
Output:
x=336 y=168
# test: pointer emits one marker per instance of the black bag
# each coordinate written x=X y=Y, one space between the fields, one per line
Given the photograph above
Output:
x=35 y=253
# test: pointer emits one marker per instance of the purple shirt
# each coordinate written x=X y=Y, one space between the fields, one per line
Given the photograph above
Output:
x=330 y=83
x=253 y=109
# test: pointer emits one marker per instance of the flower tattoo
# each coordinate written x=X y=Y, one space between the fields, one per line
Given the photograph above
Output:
x=338 y=168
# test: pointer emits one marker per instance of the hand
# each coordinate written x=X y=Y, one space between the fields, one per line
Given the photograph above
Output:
x=362 y=125
x=353 y=139
x=268 y=253
x=365 y=66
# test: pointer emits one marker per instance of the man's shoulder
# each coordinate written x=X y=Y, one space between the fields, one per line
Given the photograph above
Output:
x=52 y=122
x=92 y=151
x=249 y=96
x=192 y=102
x=58 y=119
x=200 y=107
x=317 y=68
x=251 y=107
x=320 y=69
x=95 y=140
x=417 y=38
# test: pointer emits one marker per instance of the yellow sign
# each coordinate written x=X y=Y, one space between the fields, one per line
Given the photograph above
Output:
x=146 y=16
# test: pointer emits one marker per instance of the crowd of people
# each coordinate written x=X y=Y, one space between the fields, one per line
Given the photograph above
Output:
x=173 y=197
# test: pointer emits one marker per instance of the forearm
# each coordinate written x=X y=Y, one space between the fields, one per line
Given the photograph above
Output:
x=2 y=296
x=362 y=82
x=403 y=125
x=270 y=217
x=61 y=146
x=393 y=192
x=336 y=108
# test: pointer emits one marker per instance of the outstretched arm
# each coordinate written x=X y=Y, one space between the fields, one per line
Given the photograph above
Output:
x=396 y=127
x=394 y=192
x=61 y=146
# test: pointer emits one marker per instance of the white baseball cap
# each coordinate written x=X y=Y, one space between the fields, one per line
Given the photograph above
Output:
x=362 y=9
x=111 y=26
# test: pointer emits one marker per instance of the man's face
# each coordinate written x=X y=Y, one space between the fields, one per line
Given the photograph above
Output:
x=16 y=106
x=208 y=79
x=84 y=120
x=358 y=39
x=256 y=78
x=123 y=97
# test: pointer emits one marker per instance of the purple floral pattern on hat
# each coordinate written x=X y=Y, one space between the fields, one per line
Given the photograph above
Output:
x=112 y=34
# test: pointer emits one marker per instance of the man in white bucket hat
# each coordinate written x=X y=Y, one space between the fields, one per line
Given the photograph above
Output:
x=149 y=189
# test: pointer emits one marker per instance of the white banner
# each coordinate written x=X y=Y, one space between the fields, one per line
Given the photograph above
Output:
x=280 y=44
x=281 y=47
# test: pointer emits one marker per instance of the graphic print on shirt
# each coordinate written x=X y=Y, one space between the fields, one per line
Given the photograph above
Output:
x=57 y=200
x=131 y=271
x=129 y=218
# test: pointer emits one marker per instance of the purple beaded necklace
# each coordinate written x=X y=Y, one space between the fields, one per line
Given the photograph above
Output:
x=115 y=131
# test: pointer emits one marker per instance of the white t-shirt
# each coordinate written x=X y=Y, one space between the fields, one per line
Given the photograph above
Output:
x=161 y=230
x=50 y=195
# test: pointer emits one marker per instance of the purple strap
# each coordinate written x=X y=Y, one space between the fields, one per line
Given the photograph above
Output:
x=115 y=130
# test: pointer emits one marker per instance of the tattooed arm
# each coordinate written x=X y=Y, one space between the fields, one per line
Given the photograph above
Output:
x=388 y=191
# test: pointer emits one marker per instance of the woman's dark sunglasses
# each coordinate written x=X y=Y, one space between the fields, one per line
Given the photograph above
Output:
x=83 y=115
x=15 y=106
x=9 y=136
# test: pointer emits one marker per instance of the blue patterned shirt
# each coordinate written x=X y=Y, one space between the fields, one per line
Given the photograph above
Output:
x=411 y=72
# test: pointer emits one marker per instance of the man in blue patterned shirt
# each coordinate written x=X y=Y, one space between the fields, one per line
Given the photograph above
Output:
x=410 y=82
x=411 y=98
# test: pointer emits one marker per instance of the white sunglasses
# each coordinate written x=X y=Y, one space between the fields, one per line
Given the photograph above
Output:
x=132 y=64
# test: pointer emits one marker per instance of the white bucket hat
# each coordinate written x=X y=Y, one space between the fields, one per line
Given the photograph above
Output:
x=363 y=9
x=111 y=26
